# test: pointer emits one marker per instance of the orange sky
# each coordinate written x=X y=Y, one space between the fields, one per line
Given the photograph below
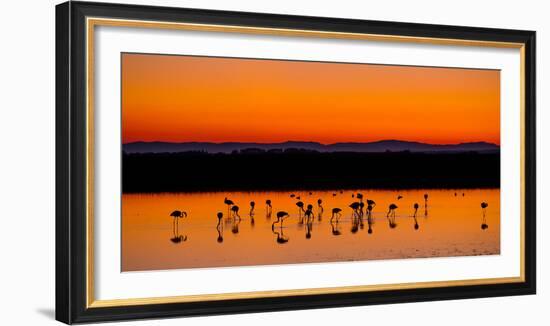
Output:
x=188 y=98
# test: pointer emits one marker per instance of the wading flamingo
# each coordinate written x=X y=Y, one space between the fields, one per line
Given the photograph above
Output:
x=414 y=216
x=268 y=208
x=229 y=203
x=336 y=212
x=321 y=209
x=301 y=210
x=235 y=211
x=281 y=215
x=391 y=215
x=484 y=206
x=219 y=227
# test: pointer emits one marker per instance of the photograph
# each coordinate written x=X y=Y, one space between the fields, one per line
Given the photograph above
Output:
x=233 y=161
x=225 y=161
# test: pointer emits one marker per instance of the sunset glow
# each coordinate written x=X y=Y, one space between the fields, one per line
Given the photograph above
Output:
x=208 y=99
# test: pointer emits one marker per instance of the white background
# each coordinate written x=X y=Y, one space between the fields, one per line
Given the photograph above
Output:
x=27 y=163
x=111 y=284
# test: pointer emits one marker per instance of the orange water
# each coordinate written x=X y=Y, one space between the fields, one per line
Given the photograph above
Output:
x=450 y=226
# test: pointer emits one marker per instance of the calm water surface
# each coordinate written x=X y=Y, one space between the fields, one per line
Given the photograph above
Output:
x=450 y=225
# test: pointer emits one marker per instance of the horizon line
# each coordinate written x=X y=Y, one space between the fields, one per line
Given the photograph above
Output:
x=311 y=141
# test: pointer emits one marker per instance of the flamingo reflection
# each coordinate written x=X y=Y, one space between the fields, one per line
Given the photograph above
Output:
x=235 y=225
x=369 y=222
x=309 y=227
x=309 y=220
x=235 y=211
x=354 y=224
x=281 y=239
x=335 y=228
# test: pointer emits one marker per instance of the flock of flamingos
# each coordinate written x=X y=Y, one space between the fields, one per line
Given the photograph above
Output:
x=306 y=216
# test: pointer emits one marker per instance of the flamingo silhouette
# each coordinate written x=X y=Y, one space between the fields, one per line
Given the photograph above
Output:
x=371 y=203
x=360 y=197
x=281 y=215
x=177 y=215
x=235 y=211
x=355 y=207
x=309 y=213
x=336 y=212
x=251 y=213
x=391 y=215
x=268 y=208
x=292 y=195
x=354 y=216
x=484 y=206
x=252 y=205
x=321 y=209
x=399 y=197
x=229 y=203
x=361 y=213
x=414 y=216
x=219 y=227
x=300 y=205
x=309 y=220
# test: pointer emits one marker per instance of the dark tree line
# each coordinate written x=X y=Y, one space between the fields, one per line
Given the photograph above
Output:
x=257 y=170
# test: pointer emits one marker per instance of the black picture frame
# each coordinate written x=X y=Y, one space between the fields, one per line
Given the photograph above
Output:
x=71 y=157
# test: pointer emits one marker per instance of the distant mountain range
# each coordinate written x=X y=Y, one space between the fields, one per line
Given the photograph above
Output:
x=371 y=147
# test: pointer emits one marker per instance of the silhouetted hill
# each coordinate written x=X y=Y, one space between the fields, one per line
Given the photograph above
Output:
x=372 y=147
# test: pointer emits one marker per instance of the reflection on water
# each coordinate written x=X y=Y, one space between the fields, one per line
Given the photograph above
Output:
x=290 y=227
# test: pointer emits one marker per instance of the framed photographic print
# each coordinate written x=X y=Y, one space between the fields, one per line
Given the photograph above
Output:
x=215 y=162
